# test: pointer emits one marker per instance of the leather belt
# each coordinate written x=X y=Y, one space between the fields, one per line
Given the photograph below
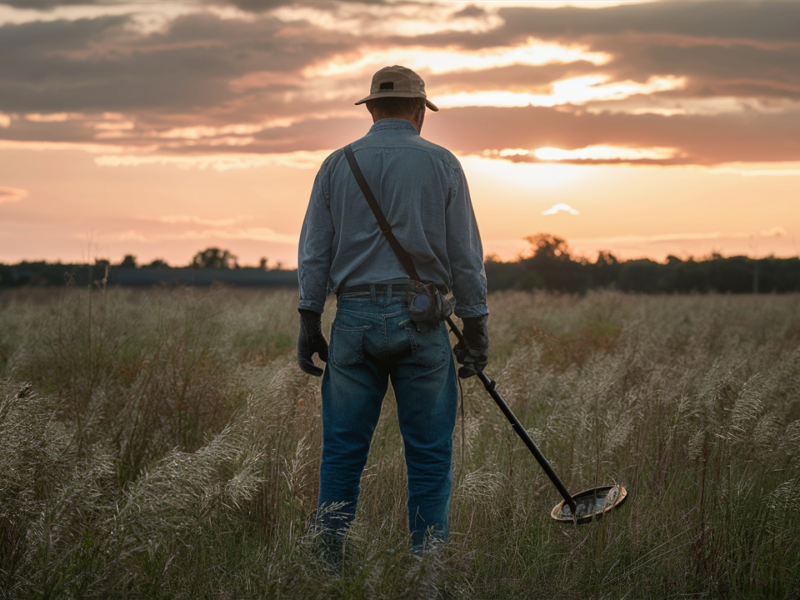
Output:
x=398 y=289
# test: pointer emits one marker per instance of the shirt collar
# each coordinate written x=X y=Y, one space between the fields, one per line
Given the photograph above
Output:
x=387 y=124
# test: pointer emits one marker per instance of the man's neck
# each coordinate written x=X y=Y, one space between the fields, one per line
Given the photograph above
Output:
x=417 y=123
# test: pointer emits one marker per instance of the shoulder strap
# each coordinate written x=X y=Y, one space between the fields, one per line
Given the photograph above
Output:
x=403 y=256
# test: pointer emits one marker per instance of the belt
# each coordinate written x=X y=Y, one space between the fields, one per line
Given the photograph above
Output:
x=398 y=289
x=381 y=289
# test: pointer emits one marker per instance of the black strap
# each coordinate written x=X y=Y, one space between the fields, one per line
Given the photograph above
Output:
x=403 y=256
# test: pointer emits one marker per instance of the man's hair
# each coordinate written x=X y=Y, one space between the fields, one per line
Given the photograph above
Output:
x=395 y=107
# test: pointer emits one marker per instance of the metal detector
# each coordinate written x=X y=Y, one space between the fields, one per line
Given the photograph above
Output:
x=580 y=508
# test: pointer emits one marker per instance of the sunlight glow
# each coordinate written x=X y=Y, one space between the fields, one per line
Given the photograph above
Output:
x=522 y=175
x=787 y=169
x=602 y=152
x=407 y=19
x=533 y=53
x=577 y=90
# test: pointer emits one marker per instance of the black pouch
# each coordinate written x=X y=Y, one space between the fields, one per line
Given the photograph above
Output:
x=427 y=306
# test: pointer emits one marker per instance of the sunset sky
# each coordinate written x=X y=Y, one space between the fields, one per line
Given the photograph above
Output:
x=161 y=128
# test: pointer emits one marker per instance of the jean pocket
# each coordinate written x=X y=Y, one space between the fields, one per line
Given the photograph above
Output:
x=429 y=349
x=347 y=345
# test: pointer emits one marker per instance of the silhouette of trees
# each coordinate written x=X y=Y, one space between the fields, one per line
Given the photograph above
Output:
x=547 y=247
x=549 y=265
x=129 y=262
x=214 y=258
x=158 y=263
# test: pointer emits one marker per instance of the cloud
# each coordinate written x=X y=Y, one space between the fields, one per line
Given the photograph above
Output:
x=50 y=4
x=382 y=19
x=787 y=169
x=697 y=139
x=774 y=232
x=259 y=234
x=39 y=146
x=195 y=220
x=434 y=60
x=561 y=207
x=9 y=194
x=223 y=162
x=578 y=90
x=715 y=81
x=767 y=21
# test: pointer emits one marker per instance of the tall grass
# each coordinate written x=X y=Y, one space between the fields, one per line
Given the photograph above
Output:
x=164 y=444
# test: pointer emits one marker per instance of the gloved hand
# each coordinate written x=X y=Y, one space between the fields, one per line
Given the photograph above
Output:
x=311 y=340
x=476 y=357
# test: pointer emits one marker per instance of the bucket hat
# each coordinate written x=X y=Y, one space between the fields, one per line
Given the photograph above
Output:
x=397 y=82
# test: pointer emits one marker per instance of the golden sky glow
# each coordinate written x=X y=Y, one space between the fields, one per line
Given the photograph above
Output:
x=159 y=129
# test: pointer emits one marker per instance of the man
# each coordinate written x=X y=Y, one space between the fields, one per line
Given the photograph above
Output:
x=423 y=194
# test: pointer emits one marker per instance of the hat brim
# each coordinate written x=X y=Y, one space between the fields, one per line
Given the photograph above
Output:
x=377 y=95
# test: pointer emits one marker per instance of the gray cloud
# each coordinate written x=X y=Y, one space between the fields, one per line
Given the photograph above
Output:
x=704 y=140
x=745 y=48
x=182 y=77
x=767 y=21
x=713 y=70
x=96 y=64
x=50 y=4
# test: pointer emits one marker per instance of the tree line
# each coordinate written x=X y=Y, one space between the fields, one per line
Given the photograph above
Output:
x=42 y=273
x=548 y=265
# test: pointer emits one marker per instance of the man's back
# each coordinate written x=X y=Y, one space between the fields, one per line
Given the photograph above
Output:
x=422 y=192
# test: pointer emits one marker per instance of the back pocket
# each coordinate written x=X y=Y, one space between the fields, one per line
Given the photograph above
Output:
x=429 y=349
x=347 y=345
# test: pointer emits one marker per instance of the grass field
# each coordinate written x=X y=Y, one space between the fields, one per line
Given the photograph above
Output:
x=163 y=444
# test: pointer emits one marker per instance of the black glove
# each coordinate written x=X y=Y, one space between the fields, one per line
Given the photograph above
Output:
x=311 y=340
x=476 y=357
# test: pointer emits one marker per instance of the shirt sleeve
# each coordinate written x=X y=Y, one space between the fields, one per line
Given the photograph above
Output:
x=465 y=250
x=315 y=250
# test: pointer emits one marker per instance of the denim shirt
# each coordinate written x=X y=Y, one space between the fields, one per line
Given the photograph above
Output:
x=423 y=193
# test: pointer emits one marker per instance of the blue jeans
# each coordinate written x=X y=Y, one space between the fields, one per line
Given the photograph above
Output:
x=374 y=340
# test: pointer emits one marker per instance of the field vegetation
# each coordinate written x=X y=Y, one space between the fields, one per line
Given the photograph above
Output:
x=163 y=444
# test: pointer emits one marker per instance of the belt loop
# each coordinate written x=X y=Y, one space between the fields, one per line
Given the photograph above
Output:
x=372 y=294
x=388 y=291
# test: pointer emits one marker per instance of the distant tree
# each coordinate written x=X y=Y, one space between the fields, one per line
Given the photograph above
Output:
x=550 y=266
x=605 y=270
x=548 y=246
x=158 y=263
x=214 y=258
x=605 y=258
x=263 y=264
x=129 y=262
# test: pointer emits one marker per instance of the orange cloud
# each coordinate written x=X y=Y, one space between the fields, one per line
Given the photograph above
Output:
x=9 y=194
x=221 y=162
